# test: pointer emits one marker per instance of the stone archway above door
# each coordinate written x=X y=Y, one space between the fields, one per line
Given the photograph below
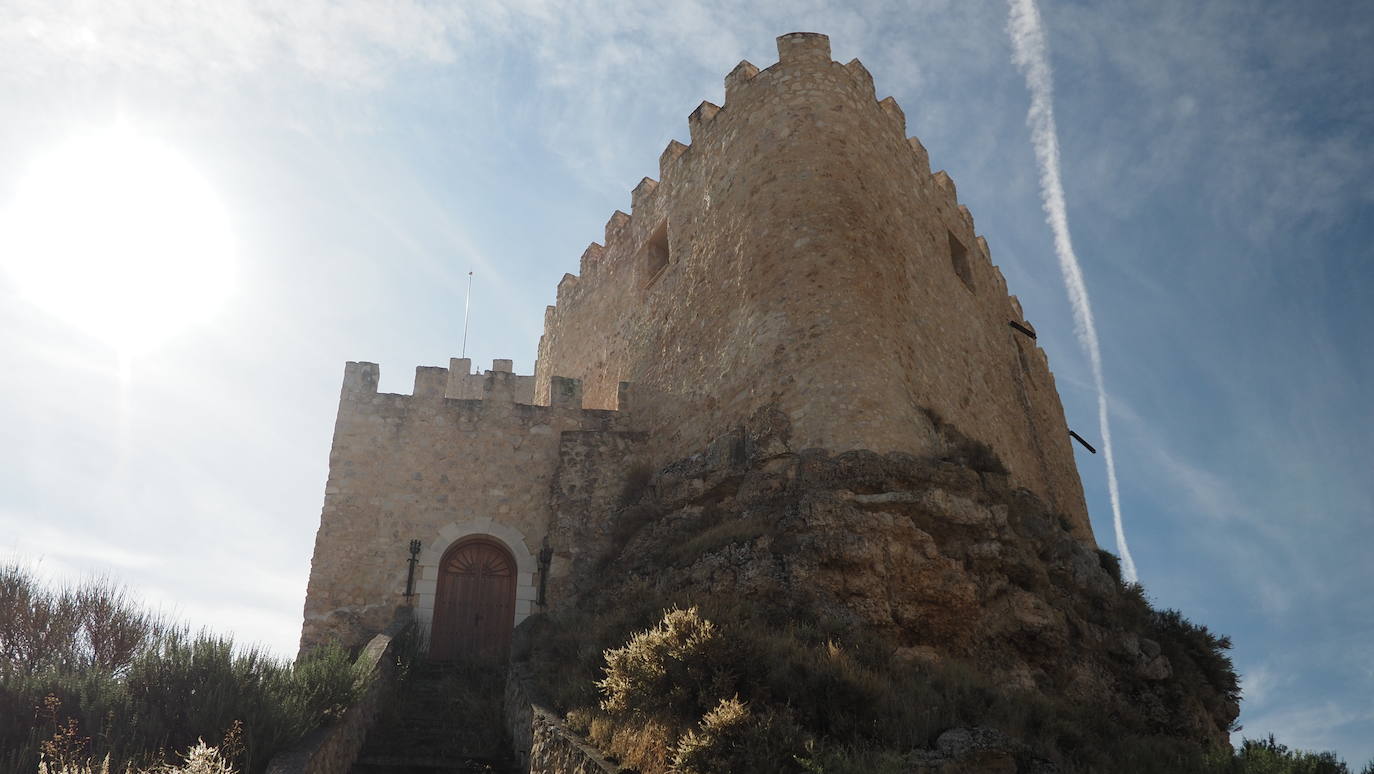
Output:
x=435 y=546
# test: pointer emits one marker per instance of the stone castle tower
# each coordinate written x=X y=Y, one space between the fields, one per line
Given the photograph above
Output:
x=798 y=257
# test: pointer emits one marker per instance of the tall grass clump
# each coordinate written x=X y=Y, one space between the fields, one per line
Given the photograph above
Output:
x=89 y=678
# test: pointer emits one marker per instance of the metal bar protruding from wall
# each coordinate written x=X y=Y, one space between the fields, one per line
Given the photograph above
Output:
x=545 y=558
x=1079 y=438
x=410 y=572
x=1018 y=326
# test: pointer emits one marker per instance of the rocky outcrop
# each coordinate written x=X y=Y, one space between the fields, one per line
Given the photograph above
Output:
x=939 y=557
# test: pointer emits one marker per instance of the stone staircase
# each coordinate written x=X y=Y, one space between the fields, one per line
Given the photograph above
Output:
x=442 y=719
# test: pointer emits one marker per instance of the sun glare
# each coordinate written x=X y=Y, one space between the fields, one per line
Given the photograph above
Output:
x=117 y=234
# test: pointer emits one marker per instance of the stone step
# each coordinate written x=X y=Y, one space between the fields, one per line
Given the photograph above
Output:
x=444 y=720
x=431 y=764
x=456 y=766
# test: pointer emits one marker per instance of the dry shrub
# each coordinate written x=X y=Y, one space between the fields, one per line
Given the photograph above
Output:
x=200 y=759
x=642 y=746
x=664 y=670
x=670 y=691
x=732 y=738
x=74 y=767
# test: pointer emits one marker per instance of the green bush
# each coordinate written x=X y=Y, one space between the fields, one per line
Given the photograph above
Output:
x=1267 y=756
x=84 y=665
x=1111 y=564
x=1199 y=659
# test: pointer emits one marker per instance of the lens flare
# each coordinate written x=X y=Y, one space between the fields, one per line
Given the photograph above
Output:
x=117 y=234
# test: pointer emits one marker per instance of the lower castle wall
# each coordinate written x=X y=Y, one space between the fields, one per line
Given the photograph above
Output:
x=436 y=469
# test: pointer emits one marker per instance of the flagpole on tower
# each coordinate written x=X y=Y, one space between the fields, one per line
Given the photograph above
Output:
x=467 y=313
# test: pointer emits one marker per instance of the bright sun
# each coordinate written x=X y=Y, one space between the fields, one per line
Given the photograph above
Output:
x=118 y=235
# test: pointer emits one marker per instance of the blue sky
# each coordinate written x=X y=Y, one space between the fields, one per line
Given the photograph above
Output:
x=1216 y=165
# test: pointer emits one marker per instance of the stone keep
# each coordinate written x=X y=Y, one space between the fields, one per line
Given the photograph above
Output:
x=798 y=256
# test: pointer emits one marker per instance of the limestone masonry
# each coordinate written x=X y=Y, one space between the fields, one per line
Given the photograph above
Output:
x=797 y=257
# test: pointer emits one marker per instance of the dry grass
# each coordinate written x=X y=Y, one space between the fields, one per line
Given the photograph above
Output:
x=200 y=759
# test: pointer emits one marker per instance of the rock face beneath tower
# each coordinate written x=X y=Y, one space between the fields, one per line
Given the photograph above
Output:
x=919 y=608
x=799 y=253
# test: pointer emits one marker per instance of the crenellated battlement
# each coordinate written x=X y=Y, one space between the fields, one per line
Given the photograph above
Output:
x=457 y=383
x=803 y=47
x=617 y=228
x=803 y=68
x=801 y=58
x=739 y=79
x=800 y=212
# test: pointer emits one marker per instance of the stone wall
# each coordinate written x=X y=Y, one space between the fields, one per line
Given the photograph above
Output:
x=800 y=253
x=334 y=749
x=435 y=468
x=598 y=472
x=542 y=743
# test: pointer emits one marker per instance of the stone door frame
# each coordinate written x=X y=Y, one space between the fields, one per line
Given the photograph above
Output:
x=432 y=553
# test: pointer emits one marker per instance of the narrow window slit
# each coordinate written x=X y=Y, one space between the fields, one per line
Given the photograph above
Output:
x=958 y=256
x=656 y=254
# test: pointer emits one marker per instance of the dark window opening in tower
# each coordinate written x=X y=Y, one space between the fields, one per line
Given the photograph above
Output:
x=656 y=254
x=958 y=255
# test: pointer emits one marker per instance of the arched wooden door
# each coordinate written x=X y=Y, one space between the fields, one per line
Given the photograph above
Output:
x=474 y=605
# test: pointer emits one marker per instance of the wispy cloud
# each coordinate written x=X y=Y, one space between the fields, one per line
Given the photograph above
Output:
x=1028 y=40
x=1259 y=683
x=346 y=42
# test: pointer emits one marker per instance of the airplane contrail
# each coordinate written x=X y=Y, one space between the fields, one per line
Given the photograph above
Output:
x=1028 y=52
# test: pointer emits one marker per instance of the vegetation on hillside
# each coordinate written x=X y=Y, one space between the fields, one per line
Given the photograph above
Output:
x=89 y=678
x=692 y=695
x=754 y=609
x=846 y=612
